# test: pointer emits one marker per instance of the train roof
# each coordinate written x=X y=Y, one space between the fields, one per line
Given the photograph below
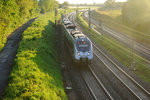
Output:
x=79 y=36
x=67 y=22
x=65 y=19
x=75 y=32
x=70 y=26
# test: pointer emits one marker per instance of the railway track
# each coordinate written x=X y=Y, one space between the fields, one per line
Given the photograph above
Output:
x=135 y=89
x=131 y=84
x=139 y=48
x=95 y=86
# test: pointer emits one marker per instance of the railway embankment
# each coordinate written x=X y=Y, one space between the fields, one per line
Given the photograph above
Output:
x=8 y=53
x=119 y=52
x=36 y=73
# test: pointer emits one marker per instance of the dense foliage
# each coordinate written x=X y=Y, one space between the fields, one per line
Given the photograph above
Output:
x=36 y=74
x=13 y=13
x=137 y=14
x=48 y=5
x=109 y=3
x=65 y=5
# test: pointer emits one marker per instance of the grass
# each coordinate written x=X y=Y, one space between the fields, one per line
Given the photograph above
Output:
x=36 y=74
x=10 y=29
x=113 y=20
x=111 y=13
x=119 y=51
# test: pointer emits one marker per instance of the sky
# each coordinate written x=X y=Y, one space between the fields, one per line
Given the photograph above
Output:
x=85 y=1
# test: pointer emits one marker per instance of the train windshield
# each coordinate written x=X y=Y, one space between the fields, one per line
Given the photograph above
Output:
x=83 y=45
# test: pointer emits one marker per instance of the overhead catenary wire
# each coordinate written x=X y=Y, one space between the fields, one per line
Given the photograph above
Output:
x=124 y=49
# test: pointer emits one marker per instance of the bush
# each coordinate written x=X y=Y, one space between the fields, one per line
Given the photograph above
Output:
x=36 y=74
x=13 y=13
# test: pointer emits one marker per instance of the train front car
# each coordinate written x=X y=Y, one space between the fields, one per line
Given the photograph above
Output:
x=78 y=44
x=83 y=50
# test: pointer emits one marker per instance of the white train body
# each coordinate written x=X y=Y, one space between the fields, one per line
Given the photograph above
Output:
x=80 y=46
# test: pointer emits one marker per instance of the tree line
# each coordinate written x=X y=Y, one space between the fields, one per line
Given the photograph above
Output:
x=15 y=12
x=112 y=4
x=135 y=13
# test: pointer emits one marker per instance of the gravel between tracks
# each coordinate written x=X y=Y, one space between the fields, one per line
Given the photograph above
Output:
x=71 y=74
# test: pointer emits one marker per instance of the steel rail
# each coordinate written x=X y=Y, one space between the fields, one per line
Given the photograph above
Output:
x=101 y=84
x=128 y=76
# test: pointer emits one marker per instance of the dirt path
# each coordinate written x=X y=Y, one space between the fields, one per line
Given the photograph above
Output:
x=8 y=54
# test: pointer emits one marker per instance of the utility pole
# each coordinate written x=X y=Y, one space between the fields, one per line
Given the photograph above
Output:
x=100 y=23
x=131 y=67
x=62 y=16
x=101 y=30
x=65 y=12
x=55 y=17
x=89 y=19
x=77 y=10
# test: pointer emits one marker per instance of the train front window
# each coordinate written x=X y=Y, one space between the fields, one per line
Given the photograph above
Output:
x=83 y=45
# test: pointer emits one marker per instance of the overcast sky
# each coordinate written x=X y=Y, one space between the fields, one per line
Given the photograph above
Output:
x=85 y=1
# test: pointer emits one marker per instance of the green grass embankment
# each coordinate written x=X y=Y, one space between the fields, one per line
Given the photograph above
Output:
x=36 y=74
x=10 y=29
x=113 y=20
x=119 y=51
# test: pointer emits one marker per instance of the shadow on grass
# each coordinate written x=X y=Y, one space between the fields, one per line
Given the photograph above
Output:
x=46 y=57
x=36 y=66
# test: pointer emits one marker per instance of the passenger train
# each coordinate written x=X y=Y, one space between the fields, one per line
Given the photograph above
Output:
x=79 y=45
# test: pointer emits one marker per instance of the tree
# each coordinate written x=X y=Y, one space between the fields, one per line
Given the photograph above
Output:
x=56 y=4
x=12 y=13
x=65 y=5
x=48 y=5
x=136 y=14
x=136 y=10
x=1 y=6
x=109 y=3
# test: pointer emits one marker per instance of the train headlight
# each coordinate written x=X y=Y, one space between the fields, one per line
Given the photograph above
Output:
x=88 y=53
x=78 y=54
